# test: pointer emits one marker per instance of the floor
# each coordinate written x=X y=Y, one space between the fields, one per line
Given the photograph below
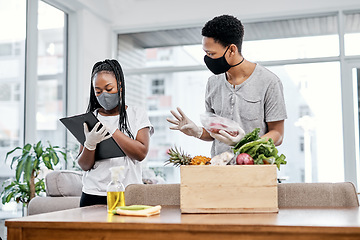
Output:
x=2 y=230
x=3 y=216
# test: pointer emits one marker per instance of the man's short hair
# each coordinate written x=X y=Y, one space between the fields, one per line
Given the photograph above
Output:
x=226 y=30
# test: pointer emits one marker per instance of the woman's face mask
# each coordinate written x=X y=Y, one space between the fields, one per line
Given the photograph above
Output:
x=218 y=65
x=108 y=100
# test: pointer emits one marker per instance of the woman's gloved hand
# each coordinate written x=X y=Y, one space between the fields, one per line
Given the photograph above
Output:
x=95 y=136
x=184 y=124
x=227 y=138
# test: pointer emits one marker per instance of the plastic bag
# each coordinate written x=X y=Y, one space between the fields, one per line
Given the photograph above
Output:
x=224 y=158
x=214 y=123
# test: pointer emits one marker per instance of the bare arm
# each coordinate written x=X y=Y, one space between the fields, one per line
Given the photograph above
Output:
x=134 y=148
x=86 y=158
x=275 y=131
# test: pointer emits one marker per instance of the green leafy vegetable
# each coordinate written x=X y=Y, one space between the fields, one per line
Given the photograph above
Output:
x=252 y=136
x=262 y=150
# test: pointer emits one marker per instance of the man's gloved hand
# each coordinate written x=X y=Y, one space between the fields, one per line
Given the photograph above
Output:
x=93 y=137
x=228 y=139
x=184 y=124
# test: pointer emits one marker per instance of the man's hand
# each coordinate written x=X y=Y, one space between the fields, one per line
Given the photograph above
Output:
x=184 y=124
x=228 y=139
x=95 y=136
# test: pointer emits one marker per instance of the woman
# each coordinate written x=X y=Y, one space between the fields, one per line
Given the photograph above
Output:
x=128 y=125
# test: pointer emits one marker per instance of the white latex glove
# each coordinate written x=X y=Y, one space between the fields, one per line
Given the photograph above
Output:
x=93 y=137
x=184 y=124
x=228 y=139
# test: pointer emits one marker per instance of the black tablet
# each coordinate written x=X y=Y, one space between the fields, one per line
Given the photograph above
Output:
x=105 y=149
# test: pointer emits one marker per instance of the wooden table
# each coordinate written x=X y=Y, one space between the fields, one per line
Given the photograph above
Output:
x=94 y=223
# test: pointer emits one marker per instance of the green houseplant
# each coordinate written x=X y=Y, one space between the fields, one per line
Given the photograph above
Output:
x=29 y=162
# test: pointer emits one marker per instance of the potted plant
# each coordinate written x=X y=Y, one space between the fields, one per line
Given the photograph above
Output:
x=28 y=183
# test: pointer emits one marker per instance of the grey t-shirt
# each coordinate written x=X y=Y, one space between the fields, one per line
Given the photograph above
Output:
x=252 y=104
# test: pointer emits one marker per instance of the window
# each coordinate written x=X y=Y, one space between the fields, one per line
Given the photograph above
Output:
x=157 y=86
x=310 y=118
x=292 y=48
x=303 y=52
x=12 y=62
x=301 y=144
x=159 y=104
x=299 y=38
x=51 y=84
x=304 y=110
x=352 y=34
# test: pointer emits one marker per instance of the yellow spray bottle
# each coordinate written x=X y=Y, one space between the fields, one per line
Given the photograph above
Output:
x=115 y=190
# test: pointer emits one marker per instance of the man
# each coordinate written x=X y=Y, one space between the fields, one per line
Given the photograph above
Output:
x=240 y=90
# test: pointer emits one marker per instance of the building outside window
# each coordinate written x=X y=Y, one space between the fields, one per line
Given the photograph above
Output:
x=157 y=86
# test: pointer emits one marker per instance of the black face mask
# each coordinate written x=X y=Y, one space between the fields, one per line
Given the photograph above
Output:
x=219 y=65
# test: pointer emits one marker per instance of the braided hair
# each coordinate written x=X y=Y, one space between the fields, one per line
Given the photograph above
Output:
x=113 y=67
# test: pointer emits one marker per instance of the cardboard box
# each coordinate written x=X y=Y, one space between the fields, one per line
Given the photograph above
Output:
x=228 y=189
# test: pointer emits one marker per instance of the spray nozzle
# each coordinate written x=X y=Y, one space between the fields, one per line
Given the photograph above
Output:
x=115 y=172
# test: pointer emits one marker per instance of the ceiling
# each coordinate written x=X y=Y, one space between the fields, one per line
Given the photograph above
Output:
x=298 y=27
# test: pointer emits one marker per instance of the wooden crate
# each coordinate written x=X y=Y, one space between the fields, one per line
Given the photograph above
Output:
x=228 y=189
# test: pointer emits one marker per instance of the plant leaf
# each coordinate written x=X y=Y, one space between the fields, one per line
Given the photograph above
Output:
x=8 y=153
x=38 y=149
x=19 y=169
x=28 y=168
x=40 y=186
x=36 y=164
x=11 y=191
x=55 y=158
x=26 y=148
x=47 y=162
x=8 y=197
x=15 y=158
x=23 y=187
x=64 y=154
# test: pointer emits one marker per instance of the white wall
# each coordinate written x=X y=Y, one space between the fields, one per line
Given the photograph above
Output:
x=90 y=40
x=93 y=41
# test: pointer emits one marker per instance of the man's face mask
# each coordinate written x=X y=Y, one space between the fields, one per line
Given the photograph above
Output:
x=219 y=65
x=108 y=100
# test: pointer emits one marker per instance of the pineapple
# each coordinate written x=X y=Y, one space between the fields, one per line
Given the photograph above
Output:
x=200 y=160
x=178 y=157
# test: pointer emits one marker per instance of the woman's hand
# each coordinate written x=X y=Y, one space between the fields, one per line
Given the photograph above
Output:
x=86 y=157
x=95 y=136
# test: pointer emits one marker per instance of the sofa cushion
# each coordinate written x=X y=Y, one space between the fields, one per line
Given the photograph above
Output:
x=152 y=194
x=39 y=205
x=342 y=194
x=63 y=183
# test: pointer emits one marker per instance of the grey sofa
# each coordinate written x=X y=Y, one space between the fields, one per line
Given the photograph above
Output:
x=316 y=195
x=63 y=191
